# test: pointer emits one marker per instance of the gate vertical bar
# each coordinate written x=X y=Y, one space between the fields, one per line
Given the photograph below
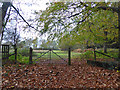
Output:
x=69 y=56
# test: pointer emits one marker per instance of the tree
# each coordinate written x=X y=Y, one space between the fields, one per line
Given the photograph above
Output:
x=59 y=17
x=11 y=37
x=4 y=10
x=44 y=44
x=49 y=44
x=65 y=15
x=35 y=42
x=21 y=44
x=117 y=10
x=101 y=28
x=68 y=41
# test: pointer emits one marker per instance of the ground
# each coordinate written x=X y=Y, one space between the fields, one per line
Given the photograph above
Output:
x=78 y=75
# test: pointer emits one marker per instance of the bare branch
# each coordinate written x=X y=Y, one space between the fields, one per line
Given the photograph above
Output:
x=24 y=19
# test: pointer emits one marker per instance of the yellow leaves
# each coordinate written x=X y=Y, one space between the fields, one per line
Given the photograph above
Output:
x=99 y=35
x=9 y=20
x=48 y=42
x=118 y=70
x=105 y=30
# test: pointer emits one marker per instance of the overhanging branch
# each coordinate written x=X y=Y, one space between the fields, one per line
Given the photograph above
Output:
x=24 y=19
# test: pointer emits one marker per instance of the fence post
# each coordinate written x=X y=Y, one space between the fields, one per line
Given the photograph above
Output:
x=94 y=54
x=30 y=57
x=8 y=52
x=69 y=56
x=15 y=55
x=50 y=55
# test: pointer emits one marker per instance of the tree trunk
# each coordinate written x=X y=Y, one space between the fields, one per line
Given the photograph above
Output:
x=0 y=35
x=0 y=45
x=119 y=36
x=105 y=48
x=105 y=43
x=119 y=31
x=4 y=10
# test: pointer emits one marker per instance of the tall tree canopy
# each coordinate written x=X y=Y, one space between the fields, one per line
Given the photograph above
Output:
x=96 y=22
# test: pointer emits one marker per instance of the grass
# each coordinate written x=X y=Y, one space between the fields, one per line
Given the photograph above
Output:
x=90 y=54
x=110 y=52
x=64 y=55
x=37 y=53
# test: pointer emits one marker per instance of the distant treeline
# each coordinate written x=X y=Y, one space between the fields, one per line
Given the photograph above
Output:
x=46 y=49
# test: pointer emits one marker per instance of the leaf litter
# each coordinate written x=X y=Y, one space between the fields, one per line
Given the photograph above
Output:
x=78 y=75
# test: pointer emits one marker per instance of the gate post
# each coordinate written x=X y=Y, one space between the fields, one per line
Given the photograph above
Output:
x=94 y=53
x=69 y=56
x=30 y=57
x=50 y=55
x=15 y=55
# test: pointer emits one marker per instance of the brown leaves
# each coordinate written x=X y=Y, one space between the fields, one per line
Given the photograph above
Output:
x=78 y=75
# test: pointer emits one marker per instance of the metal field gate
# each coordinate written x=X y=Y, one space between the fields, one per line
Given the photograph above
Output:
x=51 y=56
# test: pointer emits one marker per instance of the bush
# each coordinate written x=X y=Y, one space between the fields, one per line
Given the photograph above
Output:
x=12 y=58
x=90 y=54
x=20 y=58
x=22 y=55
x=23 y=51
x=24 y=60
x=87 y=55
x=106 y=65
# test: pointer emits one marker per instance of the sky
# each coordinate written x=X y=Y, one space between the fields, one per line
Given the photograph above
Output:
x=26 y=9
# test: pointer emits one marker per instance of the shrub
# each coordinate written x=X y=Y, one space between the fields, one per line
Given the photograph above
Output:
x=107 y=65
x=87 y=55
x=23 y=51
x=24 y=60
x=12 y=58
x=22 y=55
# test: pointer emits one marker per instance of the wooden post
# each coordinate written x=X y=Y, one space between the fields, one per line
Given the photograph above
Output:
x=94 y=54
x=30 y=57
x=8 y=52
x=69 y=56
x=15 y=55
x=50 y=55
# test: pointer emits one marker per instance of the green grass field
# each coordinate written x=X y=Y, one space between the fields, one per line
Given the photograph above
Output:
x=62 y=54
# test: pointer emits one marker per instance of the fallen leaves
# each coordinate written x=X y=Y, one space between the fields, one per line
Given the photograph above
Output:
x=78 y=75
